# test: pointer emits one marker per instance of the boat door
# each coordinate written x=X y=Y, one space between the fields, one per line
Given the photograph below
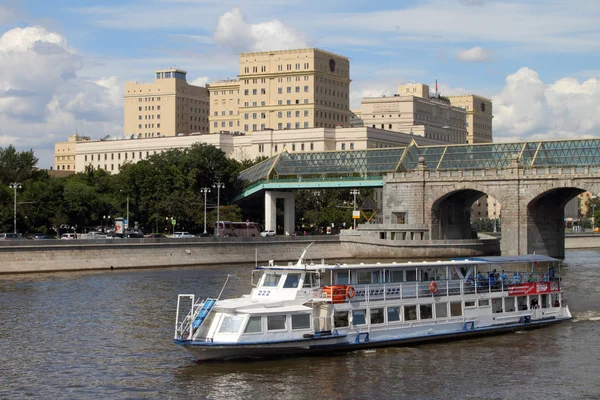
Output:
x=322 y=317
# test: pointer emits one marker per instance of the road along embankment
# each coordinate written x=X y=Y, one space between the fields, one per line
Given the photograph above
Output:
x=30 y=256
x=582 y=241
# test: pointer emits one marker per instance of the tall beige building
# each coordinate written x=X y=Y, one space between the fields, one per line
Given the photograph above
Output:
x=287 y=89
x=167 y=107
x=412 y=110
x=479 y=117
x=65 y=152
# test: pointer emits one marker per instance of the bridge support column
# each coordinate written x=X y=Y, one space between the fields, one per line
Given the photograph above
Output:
x=289 y=211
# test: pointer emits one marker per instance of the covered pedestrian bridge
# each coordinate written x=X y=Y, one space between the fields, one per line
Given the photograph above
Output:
x=436 y=185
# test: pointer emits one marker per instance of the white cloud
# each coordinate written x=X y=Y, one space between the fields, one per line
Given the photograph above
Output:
x=200 y=81
x=474 y=54
x=42 y=99
x=528 y=108
x=233 y=32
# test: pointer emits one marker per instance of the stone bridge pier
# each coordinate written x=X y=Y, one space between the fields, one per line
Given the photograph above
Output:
x=532 y=201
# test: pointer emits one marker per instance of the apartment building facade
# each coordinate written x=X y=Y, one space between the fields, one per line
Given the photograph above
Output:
x=479 y=117
x=65 y=152
x=167 y=107
x=413 y=110
x=287 y=89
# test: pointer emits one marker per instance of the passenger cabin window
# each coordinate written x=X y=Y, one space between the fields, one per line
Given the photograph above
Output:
x=393 y=314
x=291 y=281
x=426 y=311
x=271 y=280
x=231 y=324
x=363 y=277
x=456 y=309
x=484 y=302
x=275 y=322
x=376 y=316
x=341 y=277
x=340 y=319
x=411 y=276
x=410 y=313
x=358 y=317
x=254 y=325
x=301 y=321
x=441 y=310
x=395 y=276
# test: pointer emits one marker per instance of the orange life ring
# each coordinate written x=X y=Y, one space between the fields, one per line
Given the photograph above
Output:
x=350 y=292
x=433 y=287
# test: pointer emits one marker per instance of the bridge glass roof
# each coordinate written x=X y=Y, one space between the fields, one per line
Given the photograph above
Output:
x=584 y=152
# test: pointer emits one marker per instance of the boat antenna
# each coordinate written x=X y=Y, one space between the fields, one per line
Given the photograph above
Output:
x=256 y=257
x=225 y=284
x=301 y=259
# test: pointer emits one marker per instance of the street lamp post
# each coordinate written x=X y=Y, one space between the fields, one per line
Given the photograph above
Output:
x=104 y=218
x=15 y=186
x=172 y=224
x=205 y=190
x=354 y=192
x=593 y=217
x=127 y=216
x=219 y=185
x=494 y=216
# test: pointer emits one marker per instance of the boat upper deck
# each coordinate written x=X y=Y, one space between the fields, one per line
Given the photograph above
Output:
x=489 y=261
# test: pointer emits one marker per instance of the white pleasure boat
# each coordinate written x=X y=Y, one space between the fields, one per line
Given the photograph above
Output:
x=312 y=308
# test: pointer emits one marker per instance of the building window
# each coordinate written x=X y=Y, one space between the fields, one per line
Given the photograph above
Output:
x=343 y=146
x=306 y=124
x=254 y=91
x=293 y=146
x=297 y=89
x=279 y=91
x=289 y=89
x=246 y=92
x=312 y=146
x=297 y=125
x=254 y=127
x=280 y=126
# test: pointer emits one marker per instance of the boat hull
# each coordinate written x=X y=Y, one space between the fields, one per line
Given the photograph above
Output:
x=206 y=351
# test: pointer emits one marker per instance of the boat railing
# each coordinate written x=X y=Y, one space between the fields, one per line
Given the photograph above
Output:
x=418 y=289
x=183 y=320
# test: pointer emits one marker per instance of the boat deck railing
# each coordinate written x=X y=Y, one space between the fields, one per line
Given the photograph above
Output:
x=410 y=290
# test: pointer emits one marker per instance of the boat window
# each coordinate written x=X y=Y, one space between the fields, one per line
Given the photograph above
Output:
x=309 y=280
x=441 y=310
x=426 y=311
x=411 y=276
x=376 y=316
x=275 y=322
x=456 y=309
x=410 y=313
x=271 y=280
x=470 y=303
x=231 y=324
x=544 y=301
x=496 y=306
x=395 y=276
x=301 y=321
x=340 y=319
x=363 y=277
x=341 y=277
x=484 y=302
x=254 y=325
x=509 y=304
x=554 y=300
x=522 y=303
x=358 y=317
x=393 y=314
x=291 y=281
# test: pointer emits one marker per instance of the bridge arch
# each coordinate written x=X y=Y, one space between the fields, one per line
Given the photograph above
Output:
x=544 y=216
x=450 y=210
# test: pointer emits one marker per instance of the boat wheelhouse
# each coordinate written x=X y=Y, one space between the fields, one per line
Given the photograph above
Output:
x=307 y=308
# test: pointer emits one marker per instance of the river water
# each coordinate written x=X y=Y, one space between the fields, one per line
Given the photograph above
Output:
x=108 y=334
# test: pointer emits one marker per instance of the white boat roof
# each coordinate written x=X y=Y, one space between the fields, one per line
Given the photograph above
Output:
x=412 y=264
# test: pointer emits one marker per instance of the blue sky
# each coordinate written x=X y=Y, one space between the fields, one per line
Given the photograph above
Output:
x=64 y=65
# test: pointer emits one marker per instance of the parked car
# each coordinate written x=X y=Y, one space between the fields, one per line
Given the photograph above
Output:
x=68 y=236
x=156 y=236
x=133 y=234
x=43 y=236
x=9 y=236
x=113 y=235
x=268 y=232
x=204 y=234
x=182 y=235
